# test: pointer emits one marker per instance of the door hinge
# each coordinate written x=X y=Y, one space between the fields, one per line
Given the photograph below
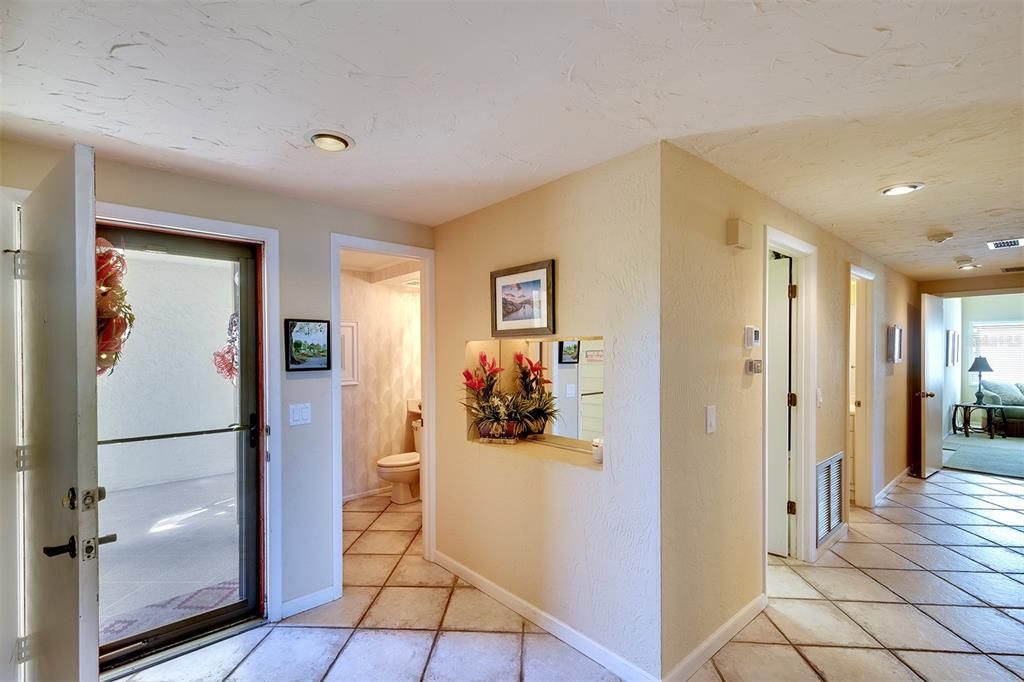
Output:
x=792 y=291
x=791 y=399
x=791 y=507
x=21 y=649
x=266 y=430
x=21 y=458
x=19 y=262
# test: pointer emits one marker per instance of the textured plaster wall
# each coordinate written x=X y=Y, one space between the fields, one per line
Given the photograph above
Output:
x=712 y=495
x=579 y=541
x=374 y=412
x=305 y=289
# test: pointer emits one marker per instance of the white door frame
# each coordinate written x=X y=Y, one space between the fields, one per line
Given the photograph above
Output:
x=865 y=468
x=805 y=374
x=428 y=470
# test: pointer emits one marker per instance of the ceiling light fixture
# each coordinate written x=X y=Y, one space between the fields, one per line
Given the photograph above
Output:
x=966 y=263
x=331 y=142
x=901 y=189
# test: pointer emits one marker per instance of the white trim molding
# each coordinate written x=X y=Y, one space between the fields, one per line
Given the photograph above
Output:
x=861 y=273
x=687 y=667
x=880 y=497
x=574 y=638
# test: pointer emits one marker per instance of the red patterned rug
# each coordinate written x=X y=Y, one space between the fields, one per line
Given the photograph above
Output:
x=174 y=609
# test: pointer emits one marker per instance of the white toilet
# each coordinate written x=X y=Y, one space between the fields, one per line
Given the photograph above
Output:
x=403 y=470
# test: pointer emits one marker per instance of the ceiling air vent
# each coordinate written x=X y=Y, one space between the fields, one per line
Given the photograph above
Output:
x=1006 y=243
x=1014 y=268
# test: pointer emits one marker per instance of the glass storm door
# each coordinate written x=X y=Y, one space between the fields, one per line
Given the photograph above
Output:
x=179 y=436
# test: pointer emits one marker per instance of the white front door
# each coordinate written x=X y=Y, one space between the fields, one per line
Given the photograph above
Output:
x=778 y=373
x=933 y=367
x=59 y=401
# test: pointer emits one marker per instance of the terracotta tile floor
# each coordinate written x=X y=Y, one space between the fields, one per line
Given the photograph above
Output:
x=402 y=618
x=930 y=585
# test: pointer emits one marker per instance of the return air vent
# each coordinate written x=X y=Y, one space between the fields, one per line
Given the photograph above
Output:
x=830 y=495
x=1013 y=268
x=1006 y=243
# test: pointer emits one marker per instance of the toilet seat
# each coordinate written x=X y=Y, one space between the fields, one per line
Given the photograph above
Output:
x=402 y=459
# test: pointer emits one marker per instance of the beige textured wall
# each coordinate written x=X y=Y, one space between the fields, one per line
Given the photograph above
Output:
x=984 y=284
x=711 y=484
x=579 y=541
x=305 y=288
x=375 y=416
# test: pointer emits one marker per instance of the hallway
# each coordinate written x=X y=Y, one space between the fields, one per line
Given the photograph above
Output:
x=930 y=585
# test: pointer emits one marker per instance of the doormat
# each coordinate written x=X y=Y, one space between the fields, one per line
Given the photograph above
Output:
x=169 y=611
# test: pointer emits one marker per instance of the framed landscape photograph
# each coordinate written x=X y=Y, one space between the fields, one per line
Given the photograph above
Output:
x=523 y=300
x=568 y=352
x=307 y=345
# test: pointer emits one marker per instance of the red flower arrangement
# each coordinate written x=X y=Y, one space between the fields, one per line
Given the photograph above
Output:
x=114 y=317
x=225 y=359
x=507 y=415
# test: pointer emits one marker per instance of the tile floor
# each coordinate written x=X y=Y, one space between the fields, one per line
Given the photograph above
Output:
x=930 y=585
x=402 y=618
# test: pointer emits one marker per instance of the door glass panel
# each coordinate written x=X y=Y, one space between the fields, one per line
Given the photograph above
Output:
x=174 y=506
x=165 y=380
x=179 y=446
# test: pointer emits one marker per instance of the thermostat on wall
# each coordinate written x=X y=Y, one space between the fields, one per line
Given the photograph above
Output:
x=751 y=336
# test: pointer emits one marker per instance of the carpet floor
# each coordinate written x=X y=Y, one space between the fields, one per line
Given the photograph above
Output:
x=999 y=456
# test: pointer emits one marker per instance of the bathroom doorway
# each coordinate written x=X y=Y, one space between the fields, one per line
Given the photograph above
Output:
x=383 y=398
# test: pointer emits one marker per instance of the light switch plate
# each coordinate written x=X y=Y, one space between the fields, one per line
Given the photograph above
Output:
x=711 y=418
x=299 y=414
x=570 y=390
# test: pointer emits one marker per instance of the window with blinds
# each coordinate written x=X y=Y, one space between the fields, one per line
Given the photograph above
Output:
x=830 y=495
x=1002 y=344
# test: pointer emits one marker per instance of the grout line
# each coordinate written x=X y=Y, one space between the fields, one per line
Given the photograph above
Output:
x=440 y=624
x=247 y=655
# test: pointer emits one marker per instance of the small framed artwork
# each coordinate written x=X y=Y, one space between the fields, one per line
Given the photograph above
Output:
x=895 y=344
x=349 y=340
x=957 y=352
x=307 y=345
x=568 y=352
x=950 y=348
x=523 y=300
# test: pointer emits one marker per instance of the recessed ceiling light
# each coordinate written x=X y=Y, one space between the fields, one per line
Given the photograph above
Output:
x=331 y=142
x=902 y=188
x=966 y=263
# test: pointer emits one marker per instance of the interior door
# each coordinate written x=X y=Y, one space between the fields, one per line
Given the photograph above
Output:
x=778 y=373
x=933 y=362
x=58 y=364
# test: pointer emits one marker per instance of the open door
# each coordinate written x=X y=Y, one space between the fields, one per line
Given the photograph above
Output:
x=933 y=363
x=58 y=363
x=778 y=406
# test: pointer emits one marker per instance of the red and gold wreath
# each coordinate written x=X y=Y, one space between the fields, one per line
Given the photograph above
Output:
x=114 y=317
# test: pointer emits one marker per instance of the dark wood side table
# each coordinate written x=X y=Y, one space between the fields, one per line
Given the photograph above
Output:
x=965 y=410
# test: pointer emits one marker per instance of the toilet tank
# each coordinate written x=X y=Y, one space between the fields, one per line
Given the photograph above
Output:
x=417 y=434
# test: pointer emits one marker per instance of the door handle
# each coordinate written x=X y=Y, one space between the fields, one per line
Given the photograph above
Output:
x=71 y=549
x=106 y=539
x=923 y=394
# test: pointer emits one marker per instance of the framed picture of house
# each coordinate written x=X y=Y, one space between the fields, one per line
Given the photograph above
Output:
x=307 y=345
x=349 y=340
x=569 y=352
x=523 y=300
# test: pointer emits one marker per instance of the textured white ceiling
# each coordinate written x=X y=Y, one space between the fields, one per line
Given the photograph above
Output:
x=457 y=105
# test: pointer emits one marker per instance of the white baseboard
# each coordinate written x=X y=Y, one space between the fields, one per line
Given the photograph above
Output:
x=686 y=668
x=309 y=601
x=833 y=537
x=368 y=493
x=892 y=484
x=585 y=645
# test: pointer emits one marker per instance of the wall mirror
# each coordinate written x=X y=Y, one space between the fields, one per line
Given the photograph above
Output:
x=574 y=366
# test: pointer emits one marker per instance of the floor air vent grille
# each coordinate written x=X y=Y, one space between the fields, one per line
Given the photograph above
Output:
x=830 y=495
